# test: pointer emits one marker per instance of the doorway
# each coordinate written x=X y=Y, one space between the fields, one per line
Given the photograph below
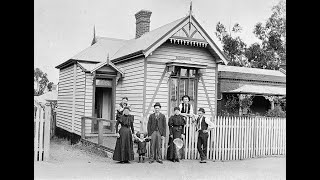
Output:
x=183 y=81
x=102 y=108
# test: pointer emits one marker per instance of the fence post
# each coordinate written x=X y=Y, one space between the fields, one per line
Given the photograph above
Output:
x=36 y=136
x=100 y=132
x=47 y=131
x=83 y=126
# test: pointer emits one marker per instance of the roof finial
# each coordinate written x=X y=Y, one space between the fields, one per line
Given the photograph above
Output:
x=190 y=12
x=108 y=59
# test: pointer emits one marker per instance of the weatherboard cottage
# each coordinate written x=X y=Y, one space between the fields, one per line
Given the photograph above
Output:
x=160 y=65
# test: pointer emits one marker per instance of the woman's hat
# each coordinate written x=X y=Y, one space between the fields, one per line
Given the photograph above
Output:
x=185 y=96
x=201 y=109
x=176 y=108
x=178 y=142
x=157 y=104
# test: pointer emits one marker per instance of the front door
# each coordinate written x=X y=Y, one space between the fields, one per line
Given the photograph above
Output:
x=103 y=104
x=184 y=81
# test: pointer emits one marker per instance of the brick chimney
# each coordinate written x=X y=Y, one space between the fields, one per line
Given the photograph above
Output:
x=142 y=22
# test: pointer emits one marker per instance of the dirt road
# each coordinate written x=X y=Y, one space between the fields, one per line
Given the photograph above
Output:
x=72 y=162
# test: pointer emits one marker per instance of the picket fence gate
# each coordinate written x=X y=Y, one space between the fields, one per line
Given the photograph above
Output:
x=235 y=138
x=42 y=132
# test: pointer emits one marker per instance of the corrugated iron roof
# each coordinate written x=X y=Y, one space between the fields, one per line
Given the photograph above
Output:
x=99 y=51
x=247 y=70
x=146 y=40
x=118 y=48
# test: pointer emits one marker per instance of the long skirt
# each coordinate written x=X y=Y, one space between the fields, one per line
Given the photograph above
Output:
x=124 y=146
x=172 y=153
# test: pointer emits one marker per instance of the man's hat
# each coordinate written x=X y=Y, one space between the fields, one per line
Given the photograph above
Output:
x=201 y=109
x=176 y=108
x=157 y=104
x=185 y=96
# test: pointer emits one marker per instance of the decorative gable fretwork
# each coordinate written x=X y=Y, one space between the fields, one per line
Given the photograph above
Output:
x=188 y=42
x=190 y=37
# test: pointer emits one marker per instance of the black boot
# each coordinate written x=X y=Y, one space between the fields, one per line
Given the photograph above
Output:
x=139 y=159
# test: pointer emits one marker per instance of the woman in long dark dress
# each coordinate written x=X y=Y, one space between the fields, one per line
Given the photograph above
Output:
x=123 y=151
x=176 y=126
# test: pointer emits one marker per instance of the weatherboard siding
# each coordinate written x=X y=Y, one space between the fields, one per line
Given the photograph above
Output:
x=131 y=86
x=154 y=73
x=65 y=98
x=88 y=100
x=168 y=51
x=156 y=65
x=79 y=99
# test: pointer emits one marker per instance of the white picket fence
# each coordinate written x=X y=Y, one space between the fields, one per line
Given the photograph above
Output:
x=236 y=138
x=42 y=132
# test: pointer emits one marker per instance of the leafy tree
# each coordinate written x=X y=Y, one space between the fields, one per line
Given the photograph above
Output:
x=273 y=40
x=266 y=54
x=233 y=47
x=40 y=81
x=49 y=86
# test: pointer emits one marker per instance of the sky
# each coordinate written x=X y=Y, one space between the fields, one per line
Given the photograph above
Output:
x=63 y=28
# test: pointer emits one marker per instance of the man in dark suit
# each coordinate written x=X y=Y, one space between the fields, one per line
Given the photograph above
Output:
x=157 y=131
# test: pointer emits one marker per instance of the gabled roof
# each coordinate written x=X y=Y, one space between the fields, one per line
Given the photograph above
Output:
x=119 y=49
x=91 y=67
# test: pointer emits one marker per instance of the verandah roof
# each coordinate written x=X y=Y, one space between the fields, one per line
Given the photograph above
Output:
x=263 y=90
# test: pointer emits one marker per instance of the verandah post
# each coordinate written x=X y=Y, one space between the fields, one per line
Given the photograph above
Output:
x=100 y=132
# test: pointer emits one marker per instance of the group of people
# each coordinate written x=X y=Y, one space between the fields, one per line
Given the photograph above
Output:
x=156 y=132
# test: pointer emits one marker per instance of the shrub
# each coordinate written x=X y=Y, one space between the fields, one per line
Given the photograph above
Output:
x=276 y=112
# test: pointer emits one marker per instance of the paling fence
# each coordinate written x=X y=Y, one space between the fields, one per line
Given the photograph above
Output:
x=235 y=138
x=42 y=131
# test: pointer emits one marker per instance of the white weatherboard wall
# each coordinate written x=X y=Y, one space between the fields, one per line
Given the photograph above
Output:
x=131 y=86
x=65 y=98
x=167 y=52
x=79 y=100
x=88 y=100
x=71 y=99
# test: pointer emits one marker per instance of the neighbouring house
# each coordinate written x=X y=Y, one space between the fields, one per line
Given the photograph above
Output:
x=160 y=65
x=262 y=84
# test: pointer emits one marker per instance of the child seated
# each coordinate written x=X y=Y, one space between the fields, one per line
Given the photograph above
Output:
x=142 y=145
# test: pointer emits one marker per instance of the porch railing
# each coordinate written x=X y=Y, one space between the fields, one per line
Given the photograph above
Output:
x=100 y=127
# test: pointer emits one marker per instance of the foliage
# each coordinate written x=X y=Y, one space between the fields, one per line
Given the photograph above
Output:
x=276 y=112
x=40 y=81
x=273 y=37
x=232 y=104
x=49 y=86
x=267 y=54
x=233 y=47
x=246 y=102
